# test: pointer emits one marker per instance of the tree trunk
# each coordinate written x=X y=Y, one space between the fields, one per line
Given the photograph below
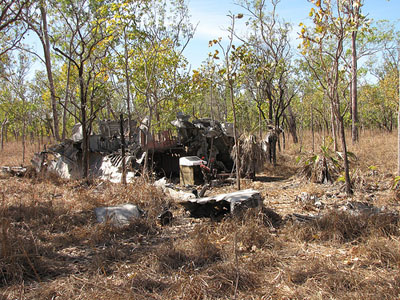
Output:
x=333 y=124
x=260 y=124
x=270 y=111
x=66 y=100
x=312 y=130
x=128 y=87
x=23 y=141
x=46 y=50
x=292 y=124
x=146 y=159
x=2 y=137
x=354 y=113
x=212 y=103
x=3 y=127
x=398 y=121
x=235 y=134
x=349 y=190
x=85 y=133
x=123 y=177
x=38 y=139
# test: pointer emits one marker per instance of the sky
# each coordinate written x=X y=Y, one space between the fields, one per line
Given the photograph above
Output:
x=211 y=19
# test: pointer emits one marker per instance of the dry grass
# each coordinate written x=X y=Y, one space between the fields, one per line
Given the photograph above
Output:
x=51 y=246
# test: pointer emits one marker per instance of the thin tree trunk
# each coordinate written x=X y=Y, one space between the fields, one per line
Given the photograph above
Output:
x=146 y=160
x=312 y=130
x=349 y=190
x=46 y=50
x=354 y=112
x=333 y=124
x=398 y=120
x=291 y=120
x=84 y=123
x=270 y=112
x=211 y=103
x=123 y=178
x=2 y=137
x=38 y=138
x=23 y=137
x=260 y=124
x=66 y=100
x=235 y=134
x=128 y=87
x=3 y=127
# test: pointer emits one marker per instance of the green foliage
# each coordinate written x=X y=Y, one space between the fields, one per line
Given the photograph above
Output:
x=324 y=166
x=136 y=60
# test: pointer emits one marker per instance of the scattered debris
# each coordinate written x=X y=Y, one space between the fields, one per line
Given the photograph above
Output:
x=353 y=208
x=309 y=201
x=14 y=171
x=205 y=138
x=299 y=218
x=220 y=205
x=171 y=190
x=361 y=208
x=118 y=215
x=306 y=198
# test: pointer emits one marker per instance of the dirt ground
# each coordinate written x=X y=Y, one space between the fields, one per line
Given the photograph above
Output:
x=53 y=248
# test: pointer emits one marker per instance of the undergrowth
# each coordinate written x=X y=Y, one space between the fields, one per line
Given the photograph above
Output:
x=53 y=248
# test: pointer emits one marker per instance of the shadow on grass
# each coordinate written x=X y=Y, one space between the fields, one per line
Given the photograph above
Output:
x=263 y=178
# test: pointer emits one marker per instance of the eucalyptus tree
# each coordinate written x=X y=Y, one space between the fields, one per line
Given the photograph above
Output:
x=84 y=44
x=155 y=65
x=123 y=18
x=323 y=49
x=37 y=20
x=268 y=66
x=229 y=70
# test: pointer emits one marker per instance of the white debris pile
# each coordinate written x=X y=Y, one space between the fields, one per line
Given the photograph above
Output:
x=61 y=167
x=168 y=189
x=113 y=173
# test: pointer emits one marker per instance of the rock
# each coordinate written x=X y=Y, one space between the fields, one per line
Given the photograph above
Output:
x=118 y=215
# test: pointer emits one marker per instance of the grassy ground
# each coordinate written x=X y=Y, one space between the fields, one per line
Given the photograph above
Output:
x=52 y=247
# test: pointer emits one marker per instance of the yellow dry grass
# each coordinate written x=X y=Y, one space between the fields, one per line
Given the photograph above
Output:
x=52 y=247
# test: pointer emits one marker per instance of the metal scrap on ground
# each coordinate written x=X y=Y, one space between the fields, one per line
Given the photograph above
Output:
x=118 y=215
x=222 y=204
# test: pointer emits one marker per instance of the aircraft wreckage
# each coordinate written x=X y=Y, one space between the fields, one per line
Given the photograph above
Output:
x=207 y=139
